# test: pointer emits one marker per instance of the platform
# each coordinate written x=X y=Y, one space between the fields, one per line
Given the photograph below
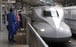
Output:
x=4 y=40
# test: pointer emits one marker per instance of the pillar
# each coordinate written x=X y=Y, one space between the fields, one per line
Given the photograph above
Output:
x=0 y=15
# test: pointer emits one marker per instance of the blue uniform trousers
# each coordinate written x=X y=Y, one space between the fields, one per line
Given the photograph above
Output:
x=10 y=37
x=11 y=32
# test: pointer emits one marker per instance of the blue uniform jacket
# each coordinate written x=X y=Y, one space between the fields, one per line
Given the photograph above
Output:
x=12 y=25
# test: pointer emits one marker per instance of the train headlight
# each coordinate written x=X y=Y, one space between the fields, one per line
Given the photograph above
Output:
x=42 y=30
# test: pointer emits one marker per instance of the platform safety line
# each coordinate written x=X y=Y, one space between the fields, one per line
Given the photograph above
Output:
x=43 y=42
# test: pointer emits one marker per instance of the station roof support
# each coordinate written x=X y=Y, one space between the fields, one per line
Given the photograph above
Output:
x=0 y=15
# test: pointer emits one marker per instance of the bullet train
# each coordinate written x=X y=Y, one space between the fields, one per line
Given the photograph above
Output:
x=70 y=17
x=48 y=22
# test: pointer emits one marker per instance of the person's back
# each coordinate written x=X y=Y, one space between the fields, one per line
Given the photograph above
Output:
x=11 y=18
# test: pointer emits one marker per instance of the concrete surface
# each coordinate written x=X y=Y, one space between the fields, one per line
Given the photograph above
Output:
x=4 y=40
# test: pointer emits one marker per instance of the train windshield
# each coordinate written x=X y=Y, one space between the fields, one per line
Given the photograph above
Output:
x=54 y=13
x=50 y=14
x=47 y=14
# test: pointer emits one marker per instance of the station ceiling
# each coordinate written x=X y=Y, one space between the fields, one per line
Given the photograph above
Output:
x=63 y=2
x=67 y=2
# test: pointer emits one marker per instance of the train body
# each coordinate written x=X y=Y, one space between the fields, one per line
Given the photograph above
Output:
x=70 y=17
x=48 y=22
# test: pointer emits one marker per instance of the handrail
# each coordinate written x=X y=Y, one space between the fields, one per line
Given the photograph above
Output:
x=43 y=42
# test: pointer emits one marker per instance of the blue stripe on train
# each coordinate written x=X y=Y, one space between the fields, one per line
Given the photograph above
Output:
x=69 y=19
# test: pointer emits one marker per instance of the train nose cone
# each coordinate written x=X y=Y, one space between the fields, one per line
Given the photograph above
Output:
x=63 y=31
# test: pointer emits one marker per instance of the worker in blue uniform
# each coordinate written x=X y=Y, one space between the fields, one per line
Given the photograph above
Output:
x=11 y=18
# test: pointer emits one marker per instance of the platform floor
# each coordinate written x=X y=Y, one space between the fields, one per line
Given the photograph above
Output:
x=4 y=40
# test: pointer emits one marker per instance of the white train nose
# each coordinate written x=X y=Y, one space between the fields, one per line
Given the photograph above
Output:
x=62 y=33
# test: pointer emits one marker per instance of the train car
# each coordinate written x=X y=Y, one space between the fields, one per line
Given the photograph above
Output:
x=48 y=21
x=70 y=17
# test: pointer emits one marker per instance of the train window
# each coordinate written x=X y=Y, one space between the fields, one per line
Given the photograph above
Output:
x=54 y=13
x=47 y=13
